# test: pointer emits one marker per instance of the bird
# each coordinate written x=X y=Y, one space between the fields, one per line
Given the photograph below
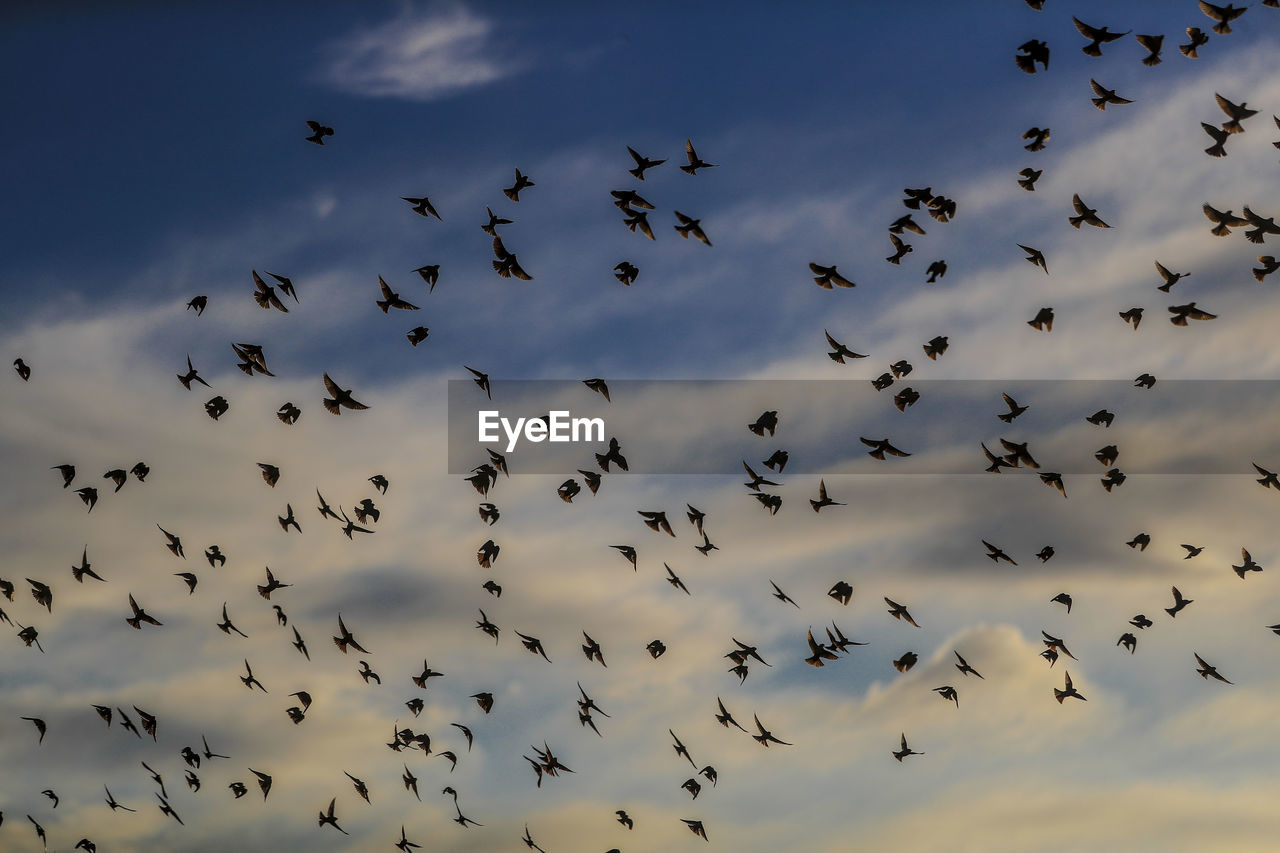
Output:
x=404 y=843
x=198 y=304
x=192 y=375
x=491 y=227
x=484 y=700
x=1097 y=37
x=391 y=299
x=935 y=271
x=89 y=495
x=963 y=666
x=823 y=500
x=84 y=569
x=1129 y=641
x=265 y=295
x=904 y=663
x=690 y=227
x=422 y=206
x=111 y=801
x=286 y=285
x=522 y=182
x=765 y=737
x=289 y=413
x=879 y=447
x=23 y=369
x=1102 y=418
x=1207 y=670
x=318 y=132
x=1224 y=222
x=696 y=827
x=612 y=456
x=1183 y=313
x=656 y=521
x=1085 y=214
x=905 y=750
x=1247 y=564
x=997 y=555
x=1105 y=96
x=505 y=262
x=1027 y=178
x=347 y=639
x=1145 y=380
x=330 y=819
x=1141 y=541
x=626 y=272
x=1178 y=603
x=900 y=249
x=1033 y=51
x=643 y=164
x=1268 y=480
x=249 y=680
x=782 y=596
x=625 y=819
x=339 y=398
x=1014 y=409
x=948 y=693
x=1197 y=40
x=1043 y=321
x=1224 y=15
x=1036 y=257
x=818 y=652
x=1219 y=137
x=190 y=579
x=1153 y=45
x=899 y=612
x=1068 y=692
x=1262 y=226
x=1038 y=136
x=1063 y=599
x=829 y=278
x=40 y=725
x=1192 y=551
x=139 y=616
x=638 y=219
x=695 y=162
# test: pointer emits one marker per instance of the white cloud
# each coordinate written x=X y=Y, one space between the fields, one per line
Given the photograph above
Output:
x=420 y=58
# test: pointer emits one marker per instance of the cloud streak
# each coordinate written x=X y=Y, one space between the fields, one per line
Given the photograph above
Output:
x=417 y=57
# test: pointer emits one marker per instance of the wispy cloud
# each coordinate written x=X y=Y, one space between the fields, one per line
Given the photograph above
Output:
x=417 y=57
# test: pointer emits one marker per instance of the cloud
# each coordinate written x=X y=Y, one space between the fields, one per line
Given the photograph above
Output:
x=416 y=57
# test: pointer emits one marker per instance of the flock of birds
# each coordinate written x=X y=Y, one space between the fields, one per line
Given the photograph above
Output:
x=545 y=764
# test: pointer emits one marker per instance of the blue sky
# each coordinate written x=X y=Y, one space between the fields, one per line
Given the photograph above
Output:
x=153 y=154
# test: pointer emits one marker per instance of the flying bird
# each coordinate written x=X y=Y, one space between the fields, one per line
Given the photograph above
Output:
x=522 y=182
x=643 y=164
x=1224 y=15
x=1196 y=40
x=695 y=162
x=1097 y=37
x=1153 y=44
x=318 y=132
x=422 y=206
x=339 y=398
x=1105 y=96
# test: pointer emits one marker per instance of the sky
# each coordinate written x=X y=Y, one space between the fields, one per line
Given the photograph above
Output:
x=156 y=153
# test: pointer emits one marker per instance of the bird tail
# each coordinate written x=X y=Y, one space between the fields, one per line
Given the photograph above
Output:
x=332 y=406
x=1188 y=51
x=1092 y=50
x=1222 y=28
x=1152 y=60
x=1100 y=103
x=1026 y=63
x=1059 y=695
